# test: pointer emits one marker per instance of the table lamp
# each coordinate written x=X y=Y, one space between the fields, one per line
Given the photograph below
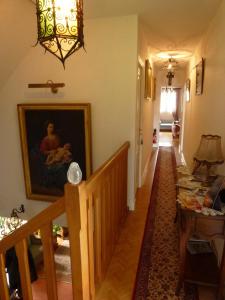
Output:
x=209 y=153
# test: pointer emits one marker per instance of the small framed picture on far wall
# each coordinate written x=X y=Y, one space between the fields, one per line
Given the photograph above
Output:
x=188 y=90
x=200 y=77
x=148 y=80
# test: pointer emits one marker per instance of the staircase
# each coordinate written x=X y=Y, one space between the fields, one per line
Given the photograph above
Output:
x=95 y=210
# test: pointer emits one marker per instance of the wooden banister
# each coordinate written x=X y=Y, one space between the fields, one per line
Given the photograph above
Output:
x=123 y=149
x=50 y=213
x=95 y=210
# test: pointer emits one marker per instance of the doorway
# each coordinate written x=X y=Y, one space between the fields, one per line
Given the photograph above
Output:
x=169 y=116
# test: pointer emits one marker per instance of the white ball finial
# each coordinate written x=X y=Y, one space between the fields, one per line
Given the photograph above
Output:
x=74 y=174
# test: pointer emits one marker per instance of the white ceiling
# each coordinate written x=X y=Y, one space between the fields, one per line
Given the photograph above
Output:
x=171 y=24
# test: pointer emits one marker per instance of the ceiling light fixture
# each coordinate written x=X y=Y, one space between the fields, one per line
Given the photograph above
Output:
x=60 y=26
x=171 y=64
x=174 y=54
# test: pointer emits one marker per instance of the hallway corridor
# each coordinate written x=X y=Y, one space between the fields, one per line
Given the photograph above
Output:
x=120 y=278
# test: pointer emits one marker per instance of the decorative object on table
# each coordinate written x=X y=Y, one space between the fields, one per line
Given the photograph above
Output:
x=148 y=80
x=188 y=182
x=190 y=200
x=208 y=202
x=192 y=195
x=200 y=68
x=217 y=193
x=208 y=154
x=184 y=170
x=194 y=202
x=52 y=136
x=60 y=26
x=74 y=174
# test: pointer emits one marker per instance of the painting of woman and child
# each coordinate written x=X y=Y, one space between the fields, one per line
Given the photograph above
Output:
x=52 y=136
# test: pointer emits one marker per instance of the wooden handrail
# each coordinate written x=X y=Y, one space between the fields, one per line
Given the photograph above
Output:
x=50 y=213
x=101 y=169
x=95 y=210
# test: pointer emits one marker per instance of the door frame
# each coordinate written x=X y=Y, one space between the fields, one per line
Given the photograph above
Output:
x=138 y=126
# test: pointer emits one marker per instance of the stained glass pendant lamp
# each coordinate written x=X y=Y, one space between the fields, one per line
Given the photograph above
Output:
x=60 y=26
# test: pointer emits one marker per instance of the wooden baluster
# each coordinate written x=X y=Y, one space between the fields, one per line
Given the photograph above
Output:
x=125 y=166
x=113 y=206
x=21 y=252
x=49 y=262
x=91 y=241
x=107 y=223
x=98 y=235
x=4 y=293
x=76 y=211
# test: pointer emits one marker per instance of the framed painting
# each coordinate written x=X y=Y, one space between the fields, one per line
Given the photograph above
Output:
x=200 y=77
x=153 y=92
x=188 y=90
x=52 y=136
x=148 y=80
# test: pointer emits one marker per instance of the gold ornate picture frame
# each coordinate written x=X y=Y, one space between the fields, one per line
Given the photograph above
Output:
x=188 y=90
x=200 y=68
x=52 y=136
x=148 y=80
x=153 y=95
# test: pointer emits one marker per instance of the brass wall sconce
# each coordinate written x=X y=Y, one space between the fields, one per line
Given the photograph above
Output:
x=49 y=84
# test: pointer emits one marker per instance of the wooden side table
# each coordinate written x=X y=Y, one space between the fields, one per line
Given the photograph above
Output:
x=201 y=269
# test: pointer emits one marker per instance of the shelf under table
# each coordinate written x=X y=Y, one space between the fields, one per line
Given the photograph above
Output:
x=202 y=269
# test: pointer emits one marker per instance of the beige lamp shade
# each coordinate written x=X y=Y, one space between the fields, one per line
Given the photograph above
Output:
x=209 y=150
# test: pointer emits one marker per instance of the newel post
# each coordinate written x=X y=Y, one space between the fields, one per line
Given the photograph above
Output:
x=76 y=211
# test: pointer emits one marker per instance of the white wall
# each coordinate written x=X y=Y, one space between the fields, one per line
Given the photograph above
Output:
x=17 y=34
x=104 y=76
x=205 y=113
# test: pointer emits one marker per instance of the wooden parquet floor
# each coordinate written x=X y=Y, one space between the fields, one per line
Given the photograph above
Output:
x=120 y=278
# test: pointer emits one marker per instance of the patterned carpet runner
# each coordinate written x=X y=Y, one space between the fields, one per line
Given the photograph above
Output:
x=159 y=262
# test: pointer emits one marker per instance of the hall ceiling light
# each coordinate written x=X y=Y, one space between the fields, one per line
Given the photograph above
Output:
x=174 y=54
x=171 y=64
x=60 y=26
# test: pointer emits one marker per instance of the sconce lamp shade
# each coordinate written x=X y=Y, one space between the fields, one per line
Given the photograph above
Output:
x=60 y=26
x=209 y=151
